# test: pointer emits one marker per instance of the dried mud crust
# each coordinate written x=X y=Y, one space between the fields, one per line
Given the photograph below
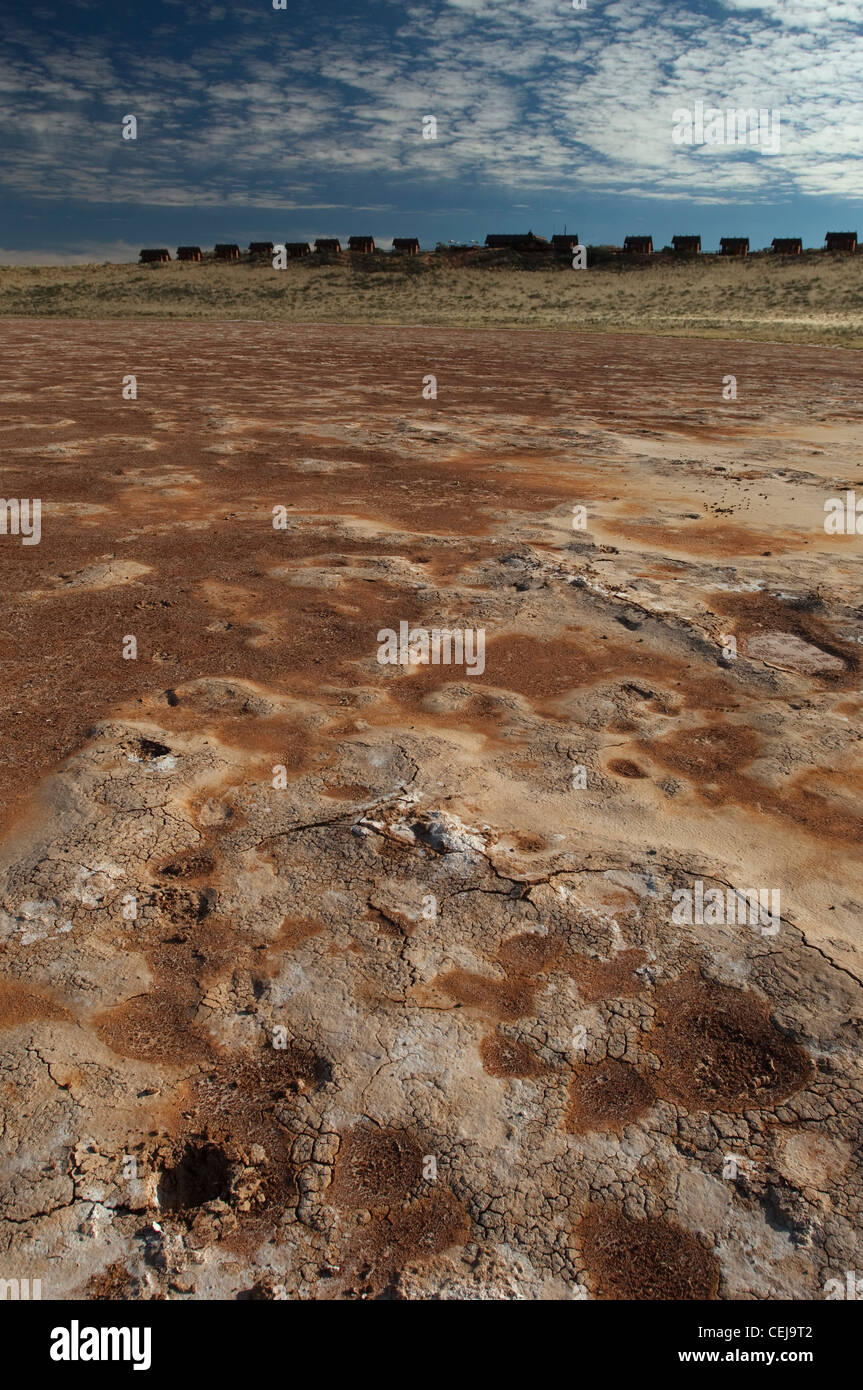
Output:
x=607 y=1096
x=414 y=1018
x=721 y=1044
x=648 y=1259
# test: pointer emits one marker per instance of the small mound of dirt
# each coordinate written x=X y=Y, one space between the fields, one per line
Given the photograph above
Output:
x=623 y=767
x=21 y=1004
x=211 y=695
x=720 y=1050
x=180 y=906
x=154 y=1028
x=294 y=931
x=708 y=753
x=413 y=1234
x=375 y=1167
x=607 y=1095
x=528 y=953
x=502 y=1056
x=112 y=1284
x=347 y=791
x=505 y=1000
x=193 y=865
x=645 y=1260
x=238 y=1099
x=607 y=979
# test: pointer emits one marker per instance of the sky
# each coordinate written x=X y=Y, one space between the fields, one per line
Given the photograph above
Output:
x=257 y=123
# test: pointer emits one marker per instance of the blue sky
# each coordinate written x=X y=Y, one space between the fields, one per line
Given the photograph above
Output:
x=257 y=123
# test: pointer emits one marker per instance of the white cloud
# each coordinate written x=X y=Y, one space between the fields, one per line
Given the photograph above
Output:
x=526 y=96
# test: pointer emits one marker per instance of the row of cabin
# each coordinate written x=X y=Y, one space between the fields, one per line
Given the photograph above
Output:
x=739 y=245
x=516 y=241
x=229 y=251
x=686 y=245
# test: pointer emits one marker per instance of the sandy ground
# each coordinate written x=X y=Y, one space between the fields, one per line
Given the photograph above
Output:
x=330 y=978
x=815 y=298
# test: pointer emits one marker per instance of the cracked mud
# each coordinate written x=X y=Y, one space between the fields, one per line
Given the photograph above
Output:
x=416 y=1018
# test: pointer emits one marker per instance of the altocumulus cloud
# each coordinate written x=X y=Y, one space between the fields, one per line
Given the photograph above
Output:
x=245 y=106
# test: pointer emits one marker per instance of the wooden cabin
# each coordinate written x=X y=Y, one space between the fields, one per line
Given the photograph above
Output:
x=687 y=245
x=841 y=241
x=516 y=241
x=155 y=255
x=227 y=251
x=787 y=245
x=262 y=248
x=188 y=253
x=408 y=245
x=366 y=244
x=296 y=249
x=329 y=244
x=640 y=245
x=734 y=246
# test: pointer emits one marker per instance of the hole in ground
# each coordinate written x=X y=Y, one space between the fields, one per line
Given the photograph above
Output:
x=148 y=749
x=202 y=1175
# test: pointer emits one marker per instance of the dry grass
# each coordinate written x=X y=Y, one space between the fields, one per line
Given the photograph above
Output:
x=811 y=299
